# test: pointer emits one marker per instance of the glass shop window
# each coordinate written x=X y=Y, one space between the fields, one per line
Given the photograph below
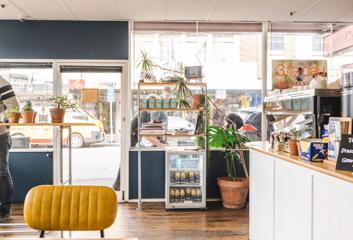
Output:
x=31 y=82
x=230 y=63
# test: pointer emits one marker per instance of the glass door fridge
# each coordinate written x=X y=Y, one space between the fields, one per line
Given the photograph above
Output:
x=185 y=179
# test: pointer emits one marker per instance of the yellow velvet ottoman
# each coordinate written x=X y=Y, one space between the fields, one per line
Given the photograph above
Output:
x=70 y=208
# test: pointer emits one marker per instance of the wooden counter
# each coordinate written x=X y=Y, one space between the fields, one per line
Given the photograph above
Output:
x=323 y=167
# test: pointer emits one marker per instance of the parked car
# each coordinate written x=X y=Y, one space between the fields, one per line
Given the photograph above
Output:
x=175 y=123
x=252 y=116
x=81 y=135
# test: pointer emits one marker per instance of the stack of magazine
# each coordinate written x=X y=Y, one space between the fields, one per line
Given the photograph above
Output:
x=153 y=129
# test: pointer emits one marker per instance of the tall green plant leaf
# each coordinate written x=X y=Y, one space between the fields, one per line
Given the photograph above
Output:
x=231 y=141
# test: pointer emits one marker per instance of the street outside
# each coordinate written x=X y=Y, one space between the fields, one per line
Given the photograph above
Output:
x=96 y=164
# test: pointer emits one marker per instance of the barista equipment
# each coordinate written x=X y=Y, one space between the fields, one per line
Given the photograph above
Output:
x=347 y=94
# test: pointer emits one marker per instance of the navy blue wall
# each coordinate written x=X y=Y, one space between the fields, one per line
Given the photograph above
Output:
x=30 y=169
x=152 y=174
x=64 y=40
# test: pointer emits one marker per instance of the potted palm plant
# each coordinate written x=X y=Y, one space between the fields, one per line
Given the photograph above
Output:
x=234 y=189
x=182 y=93
x=146 y=64
x=58 y=112
x=13 y=114
x=28 y=114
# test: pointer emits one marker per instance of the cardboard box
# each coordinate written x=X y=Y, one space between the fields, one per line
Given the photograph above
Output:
x=313 y=150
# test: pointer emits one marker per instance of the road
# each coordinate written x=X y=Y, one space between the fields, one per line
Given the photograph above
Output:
x=97 y=164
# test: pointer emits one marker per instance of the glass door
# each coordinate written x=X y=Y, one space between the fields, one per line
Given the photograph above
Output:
x=96 y=148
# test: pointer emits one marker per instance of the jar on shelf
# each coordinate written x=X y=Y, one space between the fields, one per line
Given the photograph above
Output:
x=144 y=103
x=173 y=103
x=152 y=103
x=166 y=103
x=159 y=103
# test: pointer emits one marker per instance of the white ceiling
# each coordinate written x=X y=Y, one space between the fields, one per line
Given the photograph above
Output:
x=209 y=10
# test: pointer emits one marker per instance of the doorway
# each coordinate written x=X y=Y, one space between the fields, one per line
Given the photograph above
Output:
x=97 y=91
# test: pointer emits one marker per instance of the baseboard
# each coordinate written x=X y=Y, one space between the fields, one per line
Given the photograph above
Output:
x=148 y=200
x=163 y=200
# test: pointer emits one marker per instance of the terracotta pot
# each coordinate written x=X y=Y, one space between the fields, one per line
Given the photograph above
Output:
x=57 y=115
x=28 y=116
x=293 y=147
x=14 y=117
x=233 y=193
x=196 y=101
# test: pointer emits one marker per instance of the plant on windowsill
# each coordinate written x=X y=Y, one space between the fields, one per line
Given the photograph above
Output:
x=13 y=114
x=234 y=189
x=58 y=112
x=147 y=65
x=28 y=114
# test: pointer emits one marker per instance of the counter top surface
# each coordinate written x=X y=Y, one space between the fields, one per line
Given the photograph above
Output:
x=323 y=167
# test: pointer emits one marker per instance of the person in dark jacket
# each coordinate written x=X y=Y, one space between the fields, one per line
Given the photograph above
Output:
x=234 y=121
x=7 y=100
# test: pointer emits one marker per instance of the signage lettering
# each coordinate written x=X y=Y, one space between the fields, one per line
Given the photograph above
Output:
x=345 y=154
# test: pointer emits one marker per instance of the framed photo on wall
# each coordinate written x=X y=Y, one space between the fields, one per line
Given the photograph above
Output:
x=289 y=73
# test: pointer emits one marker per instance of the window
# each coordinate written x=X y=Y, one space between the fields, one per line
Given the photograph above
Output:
x=318 y=43
x=298 y=42
x=31 y=82
x=276 y=43
x=230 y=64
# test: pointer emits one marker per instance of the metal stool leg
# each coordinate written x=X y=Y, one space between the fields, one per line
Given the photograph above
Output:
x=102 y=233
x=41 y=234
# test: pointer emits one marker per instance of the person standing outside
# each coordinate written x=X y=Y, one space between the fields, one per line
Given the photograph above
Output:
x=300 y=76
x=7 y=100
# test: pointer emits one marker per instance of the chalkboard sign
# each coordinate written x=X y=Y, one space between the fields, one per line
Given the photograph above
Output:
x=345 y=154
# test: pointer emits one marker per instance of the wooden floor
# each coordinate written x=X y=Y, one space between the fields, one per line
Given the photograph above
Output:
x=154 y=222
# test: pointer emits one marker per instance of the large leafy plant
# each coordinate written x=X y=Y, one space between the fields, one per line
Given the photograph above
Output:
x=62 y=103
x=232 y=142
